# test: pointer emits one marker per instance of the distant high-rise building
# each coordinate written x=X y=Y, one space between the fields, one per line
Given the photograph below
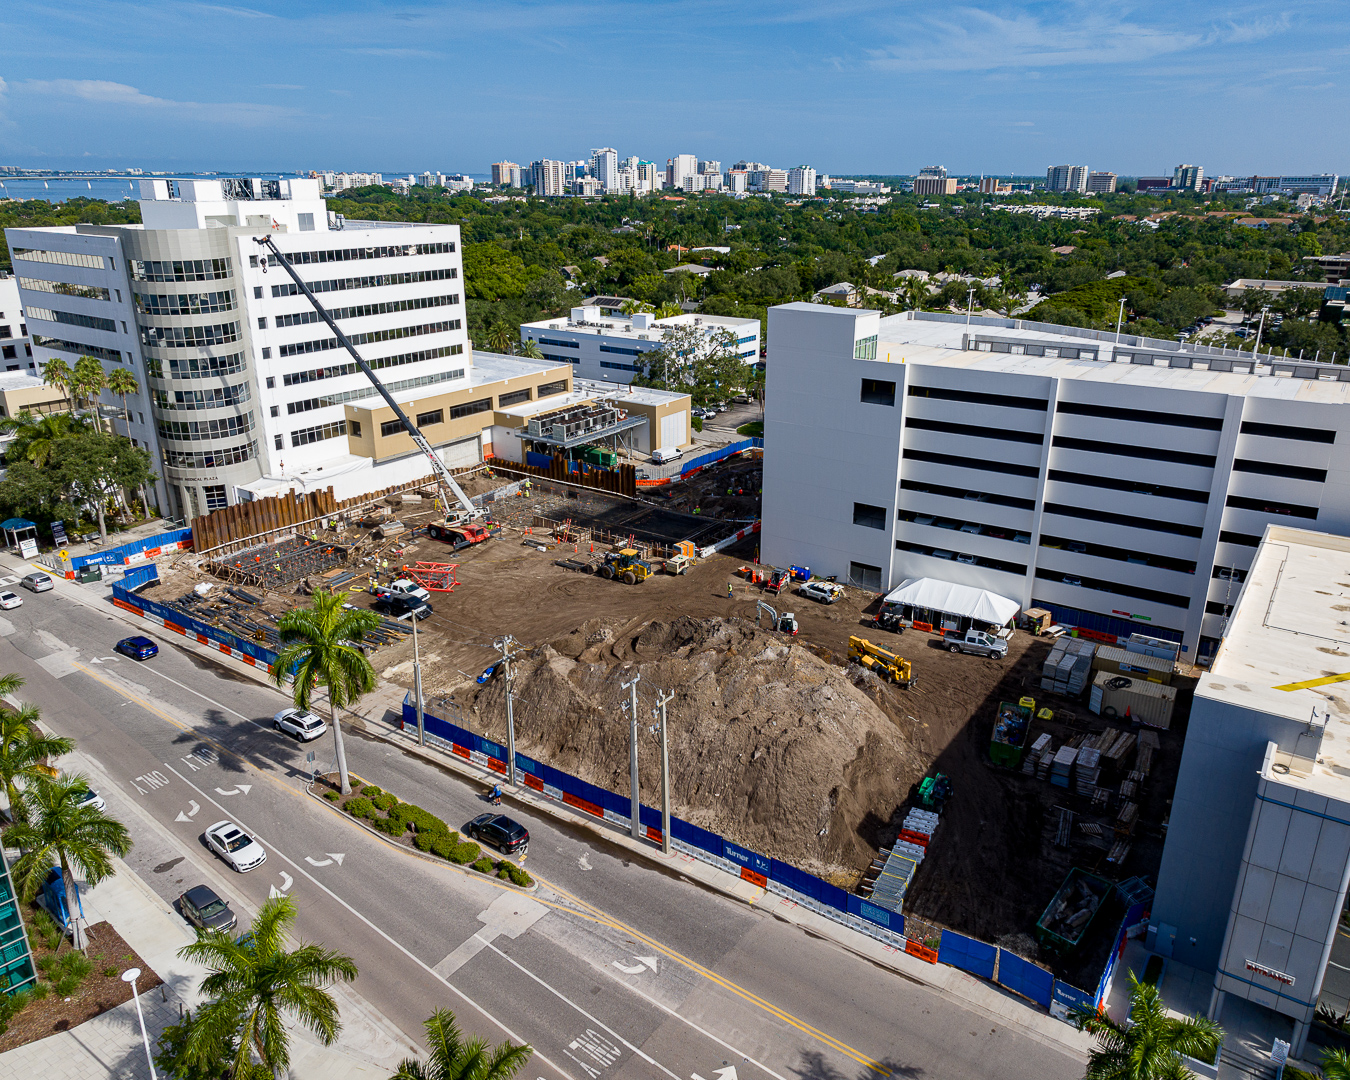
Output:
x=648 y=177
x=1188 y=177
x=457 y=182
x=431 y=179
x=678 y=168
x=605 y=167
x=738 y=180
x=706 y=167
x=991 y=185
x=933 y=180
x=548 y=177
x=774 y=180
x=801 y=180
x=506 y=174
x=1101 y=182
x=1066 y=178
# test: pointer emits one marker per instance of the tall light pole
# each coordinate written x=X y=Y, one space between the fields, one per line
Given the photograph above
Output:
x=970 y=303
x=1120 y=318
x=634 y=825
x=130 y=976
x=503 y=645
x=417 y=685
x=1259 y=328
x=663 y=696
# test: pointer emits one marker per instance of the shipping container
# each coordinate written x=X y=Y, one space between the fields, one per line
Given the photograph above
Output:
x=1143 y=701
x=1135 y=664
x=1073 y=910
x=1159 y=647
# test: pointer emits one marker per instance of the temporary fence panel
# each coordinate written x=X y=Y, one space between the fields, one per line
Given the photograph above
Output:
x=967 y=954
x=1066 y=1001
x=173 y=619
x=720 y=454
x=136 y=551
x=1025 y=978
x=891 y=920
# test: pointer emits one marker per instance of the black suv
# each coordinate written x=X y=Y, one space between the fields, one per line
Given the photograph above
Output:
x=507 y=836
x=400 y=607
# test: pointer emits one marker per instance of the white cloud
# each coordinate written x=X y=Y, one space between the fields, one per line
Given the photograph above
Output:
x=103 y=92
x=970 y=39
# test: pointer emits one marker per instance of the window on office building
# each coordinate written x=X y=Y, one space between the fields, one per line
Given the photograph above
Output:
x=427 y=418
x=391 y=427
x=870 y=517
x=215 y=497
x=878 y=392
x=515 y=397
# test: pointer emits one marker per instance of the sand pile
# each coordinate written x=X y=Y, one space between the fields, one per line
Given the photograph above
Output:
x=770 y=746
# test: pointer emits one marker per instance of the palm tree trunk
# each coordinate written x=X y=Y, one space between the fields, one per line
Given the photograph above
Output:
x=343 y=777
x=77 y=938
x=102 y=525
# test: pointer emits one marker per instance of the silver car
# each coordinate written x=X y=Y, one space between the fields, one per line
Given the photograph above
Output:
x=305 y=726
x=37 y=582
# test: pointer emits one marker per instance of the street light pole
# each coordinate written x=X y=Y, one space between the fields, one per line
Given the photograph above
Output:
x=504 y=646
x=130 y=976
x=663 y=696
x=634 y=825
x=417 y=685
x=1260 y=327
x=1120 y=318
x=970 y=303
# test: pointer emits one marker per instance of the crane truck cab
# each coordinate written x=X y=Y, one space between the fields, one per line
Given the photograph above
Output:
x=458 y=535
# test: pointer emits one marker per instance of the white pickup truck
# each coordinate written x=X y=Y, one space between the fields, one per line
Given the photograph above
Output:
x=977 y=642
x=403 y=587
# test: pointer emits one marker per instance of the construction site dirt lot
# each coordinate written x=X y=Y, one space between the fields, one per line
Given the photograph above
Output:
x=778 y=743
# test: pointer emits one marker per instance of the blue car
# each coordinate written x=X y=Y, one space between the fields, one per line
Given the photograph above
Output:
x=138 y=648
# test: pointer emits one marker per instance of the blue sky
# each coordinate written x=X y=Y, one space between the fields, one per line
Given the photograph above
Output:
x=849 y=86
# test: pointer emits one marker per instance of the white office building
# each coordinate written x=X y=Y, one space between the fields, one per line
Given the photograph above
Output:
x=606 y=348
x=244 y=390
x=1066 y=178
x=1257 y=855
x=550 y=178
x=16 y=351
x=801 y=180
x=1123 y=485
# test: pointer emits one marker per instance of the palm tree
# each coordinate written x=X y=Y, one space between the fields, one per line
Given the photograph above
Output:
x=530 y=350
x=23 y=752
x=122 y=382
x=912 y=292
x=633 y=307
x=60 y=829
x=254 y=981
x=34 y=436
x=1150 y=1045
x=454 y=1058
x=669 y=310
x=320 y=645
x=56 y=372
x=87 y=383
x=1336 y=1065
x=500 y=338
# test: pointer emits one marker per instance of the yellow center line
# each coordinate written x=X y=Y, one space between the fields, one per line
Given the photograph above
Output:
x=727 y=984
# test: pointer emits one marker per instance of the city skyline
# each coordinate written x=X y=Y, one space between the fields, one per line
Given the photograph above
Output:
x=99 y=85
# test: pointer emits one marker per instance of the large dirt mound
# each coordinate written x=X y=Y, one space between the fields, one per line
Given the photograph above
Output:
x=770 y=745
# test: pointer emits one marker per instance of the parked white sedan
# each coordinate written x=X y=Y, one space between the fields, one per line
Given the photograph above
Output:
x=235 y=846
x=9 y=600
x=305 y=726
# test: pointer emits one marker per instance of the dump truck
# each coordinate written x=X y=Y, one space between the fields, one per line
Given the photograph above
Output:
x=1073 y=910
x=458 y=536
x=1011 y=724
x=883 y=662
x=626 y=566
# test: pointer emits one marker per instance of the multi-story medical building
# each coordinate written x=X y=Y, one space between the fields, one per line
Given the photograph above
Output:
x=16 y=351
x=606 y=348
x=244 y=390
x=1124 y=485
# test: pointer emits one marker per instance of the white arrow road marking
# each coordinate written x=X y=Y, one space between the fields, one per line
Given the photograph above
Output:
x=190 y=814
x=649 y=961
x=100 y=659
x=286 y=882
x=333 y=856
x=729 y=1073
x=241 y=789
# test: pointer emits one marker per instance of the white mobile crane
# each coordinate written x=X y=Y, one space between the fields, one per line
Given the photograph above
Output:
x=451 y=492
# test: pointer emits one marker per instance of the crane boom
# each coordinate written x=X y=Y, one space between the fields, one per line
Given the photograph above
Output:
x=450 y=491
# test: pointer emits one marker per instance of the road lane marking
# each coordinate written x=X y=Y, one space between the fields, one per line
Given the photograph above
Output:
x=212 y=701
x=333 y=857
x=648 y=961
x=286 y=882
x=392 y=941
x=190 y=814
x=245 y=788
x=563 y=997
x=725 y=983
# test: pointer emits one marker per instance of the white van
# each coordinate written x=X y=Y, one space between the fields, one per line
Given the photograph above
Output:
x=666 y=455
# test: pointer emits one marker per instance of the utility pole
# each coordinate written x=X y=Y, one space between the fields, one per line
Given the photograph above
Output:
x=663 y=696
x=635 y=826
x=417 y=685
x=970 y=303
x=504 y=646
x=1120 y=318
x=1260 y=327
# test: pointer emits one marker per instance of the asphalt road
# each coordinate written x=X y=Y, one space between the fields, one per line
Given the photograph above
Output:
x=613 y=969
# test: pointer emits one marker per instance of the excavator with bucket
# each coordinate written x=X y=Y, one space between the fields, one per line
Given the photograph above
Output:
x=451 y=493
x=883 y=662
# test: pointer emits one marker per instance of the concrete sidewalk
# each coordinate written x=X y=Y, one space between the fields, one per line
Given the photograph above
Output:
x=110 y=1045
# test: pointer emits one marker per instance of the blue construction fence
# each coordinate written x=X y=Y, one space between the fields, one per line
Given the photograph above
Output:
x=969 y=954
x=720 y=454
x=147 y=547
x=124 y=596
